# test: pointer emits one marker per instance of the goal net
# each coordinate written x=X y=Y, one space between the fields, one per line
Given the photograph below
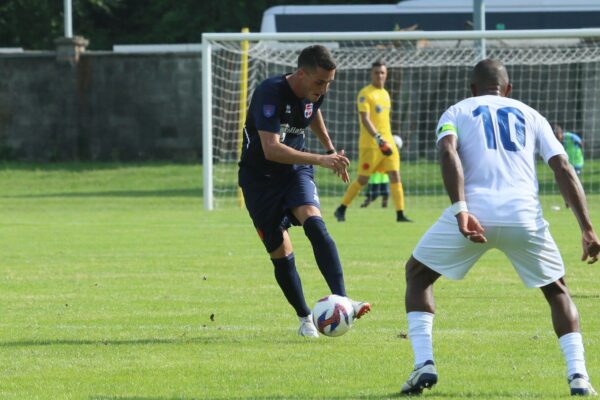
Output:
x=556 y=72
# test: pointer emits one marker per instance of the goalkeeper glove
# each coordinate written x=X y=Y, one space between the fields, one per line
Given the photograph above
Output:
x=383 y=145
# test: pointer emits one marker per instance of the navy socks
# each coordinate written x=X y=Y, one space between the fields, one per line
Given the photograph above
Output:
x=289 y=281
x=326 y=254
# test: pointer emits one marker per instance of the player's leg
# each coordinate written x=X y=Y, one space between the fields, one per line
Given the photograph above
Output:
x=326 y=253
x=536 y=258
x=289 y=281
x=565 y=320
x=352 y=191
x=392 y=166
x=324 y=248
x=441 y=251
x=367 y=163
x=279 y=246
x=371 y=192
x=420 y=309
x=263 y=202
x=384 y=190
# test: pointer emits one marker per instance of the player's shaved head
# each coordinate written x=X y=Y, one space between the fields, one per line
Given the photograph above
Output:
x=489 y=76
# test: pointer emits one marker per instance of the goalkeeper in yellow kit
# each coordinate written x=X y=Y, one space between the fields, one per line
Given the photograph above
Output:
x=376 y=149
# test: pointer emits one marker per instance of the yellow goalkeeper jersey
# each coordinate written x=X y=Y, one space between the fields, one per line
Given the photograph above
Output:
x=375 y=102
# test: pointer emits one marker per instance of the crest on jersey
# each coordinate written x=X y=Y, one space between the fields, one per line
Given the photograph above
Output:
x=268 y=110
x=378 y=108
x=288 y=109
x=308 y=110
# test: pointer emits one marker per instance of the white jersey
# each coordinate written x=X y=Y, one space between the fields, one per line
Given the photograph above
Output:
x=498 y=139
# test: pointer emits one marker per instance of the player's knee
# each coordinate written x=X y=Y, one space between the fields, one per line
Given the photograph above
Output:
x=555 y=289
x=315 y=229
x=273 y=240
x=418 y=273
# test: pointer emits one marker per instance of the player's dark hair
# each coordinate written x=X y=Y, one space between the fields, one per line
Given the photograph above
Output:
x=316 y=56
x=378 y=63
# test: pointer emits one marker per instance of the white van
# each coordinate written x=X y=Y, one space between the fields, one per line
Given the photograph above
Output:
x=433 y=15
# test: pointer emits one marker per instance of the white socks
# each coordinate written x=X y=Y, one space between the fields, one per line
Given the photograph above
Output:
x=420 y=325
x=571 y=345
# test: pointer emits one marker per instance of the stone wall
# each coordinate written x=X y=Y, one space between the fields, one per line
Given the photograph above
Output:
x=104 y=107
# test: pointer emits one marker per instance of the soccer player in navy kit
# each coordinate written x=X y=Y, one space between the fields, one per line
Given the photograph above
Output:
x=276 y=175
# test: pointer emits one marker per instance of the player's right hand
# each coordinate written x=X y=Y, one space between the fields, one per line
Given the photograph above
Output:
x=470 y=227
x=384 y=146
x=337 y=162
x=591 y=247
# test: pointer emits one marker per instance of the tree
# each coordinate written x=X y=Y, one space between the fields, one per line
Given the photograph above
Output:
x=34 y=24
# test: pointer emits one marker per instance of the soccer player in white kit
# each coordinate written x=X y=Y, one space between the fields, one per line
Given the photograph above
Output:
x=488 y=145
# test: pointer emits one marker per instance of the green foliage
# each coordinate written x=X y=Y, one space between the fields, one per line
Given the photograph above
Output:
x=109 y=275
x=34 y=24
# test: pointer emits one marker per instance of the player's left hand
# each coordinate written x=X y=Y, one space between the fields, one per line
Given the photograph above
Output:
x=337 y=162
x=344 y=175
x=591 y=246
x=383 y=146
x=470 y=227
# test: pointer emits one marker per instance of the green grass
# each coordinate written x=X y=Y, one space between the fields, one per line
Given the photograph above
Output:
x=420 y=177
x=109 y=275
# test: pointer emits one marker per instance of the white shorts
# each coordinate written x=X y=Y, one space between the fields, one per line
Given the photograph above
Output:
x=531 y=250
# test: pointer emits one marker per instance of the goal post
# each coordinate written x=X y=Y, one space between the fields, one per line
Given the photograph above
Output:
x=555 y=71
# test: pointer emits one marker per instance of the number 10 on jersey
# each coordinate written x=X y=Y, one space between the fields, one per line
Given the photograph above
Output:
x=503 y=127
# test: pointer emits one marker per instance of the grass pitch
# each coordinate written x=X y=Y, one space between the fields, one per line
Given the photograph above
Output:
x=116 y=284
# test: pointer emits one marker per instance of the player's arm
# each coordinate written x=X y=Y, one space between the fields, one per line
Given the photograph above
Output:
x=366 y=121
x=454 y=182
x=317 y=125
x=452 y=171
x=277 y=152
x=383 y=145
x=572 y=191
x=578 y=141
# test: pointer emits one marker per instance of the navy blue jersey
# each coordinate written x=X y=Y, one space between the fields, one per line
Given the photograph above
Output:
x=274 y=108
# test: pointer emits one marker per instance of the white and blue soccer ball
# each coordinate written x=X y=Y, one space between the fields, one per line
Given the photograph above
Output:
x=398 y=141
x=333 y=315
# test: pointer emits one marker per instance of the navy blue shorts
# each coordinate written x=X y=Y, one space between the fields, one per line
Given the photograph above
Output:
x=269 y=202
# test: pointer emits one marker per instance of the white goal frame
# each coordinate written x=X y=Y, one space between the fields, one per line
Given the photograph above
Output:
x=207 y=38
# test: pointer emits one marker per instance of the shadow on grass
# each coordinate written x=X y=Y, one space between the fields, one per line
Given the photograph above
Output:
x=86 y=166
x=194 y=192
x=384 y=396
x=113 y=342
x=211 y=336
x=396 y=395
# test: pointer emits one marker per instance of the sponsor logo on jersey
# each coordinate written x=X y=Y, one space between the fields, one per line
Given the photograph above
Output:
x=361 y=99
x=294 y=131
x=268 y=110
x=286 y=129
x=308 y=110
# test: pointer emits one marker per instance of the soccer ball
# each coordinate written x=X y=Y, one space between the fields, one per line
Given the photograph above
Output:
x=398 y=141
x=333 y=315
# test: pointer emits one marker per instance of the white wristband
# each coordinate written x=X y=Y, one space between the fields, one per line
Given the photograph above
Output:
x=458 y=207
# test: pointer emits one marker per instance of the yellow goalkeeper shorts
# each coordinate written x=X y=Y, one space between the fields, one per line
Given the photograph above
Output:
x=371 y=160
